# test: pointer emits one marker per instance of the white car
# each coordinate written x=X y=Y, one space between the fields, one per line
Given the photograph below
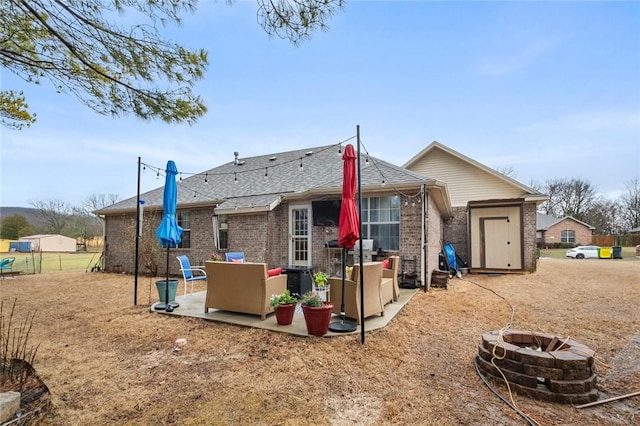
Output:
x=583 y=252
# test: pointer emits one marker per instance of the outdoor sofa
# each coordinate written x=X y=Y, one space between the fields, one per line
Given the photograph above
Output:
x=241 y=287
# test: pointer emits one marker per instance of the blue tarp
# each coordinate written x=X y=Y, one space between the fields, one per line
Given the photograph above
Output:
x=20 y=246
x=450 y=255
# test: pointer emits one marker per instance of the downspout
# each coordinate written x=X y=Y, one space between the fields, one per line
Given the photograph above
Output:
x=425 y=248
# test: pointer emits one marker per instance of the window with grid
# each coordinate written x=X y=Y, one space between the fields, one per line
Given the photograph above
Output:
x=381 y=221
x=568 y=236
x=184 y=221
x=223 y=231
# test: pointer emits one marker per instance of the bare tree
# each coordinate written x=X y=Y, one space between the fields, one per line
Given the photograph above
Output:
x=630 y=205
x=508 y=171
x=552 y=188
x=603 y=215
x=98 y=201
x=576 y=198
x=55 y=213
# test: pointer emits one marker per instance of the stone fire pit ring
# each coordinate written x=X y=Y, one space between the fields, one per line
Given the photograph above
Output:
x=539 y=365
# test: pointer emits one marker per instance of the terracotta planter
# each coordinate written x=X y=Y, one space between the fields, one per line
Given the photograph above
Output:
x=317 y=318
x=284 y=314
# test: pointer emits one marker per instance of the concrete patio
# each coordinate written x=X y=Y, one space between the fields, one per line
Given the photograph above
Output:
x=192 y=305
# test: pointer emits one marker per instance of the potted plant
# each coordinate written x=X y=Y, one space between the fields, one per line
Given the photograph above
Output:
x=216 y=258
x=285 y=306
x=320 y=278
x=320 y=285
x=317 y=313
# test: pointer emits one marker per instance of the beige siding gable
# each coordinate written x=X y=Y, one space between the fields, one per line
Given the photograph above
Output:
x=465 y=182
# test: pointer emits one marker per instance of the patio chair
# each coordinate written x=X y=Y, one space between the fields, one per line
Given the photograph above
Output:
x=235 y=256
x=6 y=264
x=373 y=292
x=188 y=272
x=392 y=272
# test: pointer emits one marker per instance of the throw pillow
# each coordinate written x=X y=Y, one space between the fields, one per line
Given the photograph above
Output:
x=237 y=261
x=385 y=264
x=349 y=273
x=274 y=272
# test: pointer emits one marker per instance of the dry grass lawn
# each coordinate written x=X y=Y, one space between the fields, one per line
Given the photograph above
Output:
x=106 y=361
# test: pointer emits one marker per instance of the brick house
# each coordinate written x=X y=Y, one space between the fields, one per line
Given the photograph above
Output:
x=282 y=209
x=493 y=227
x=567 y=230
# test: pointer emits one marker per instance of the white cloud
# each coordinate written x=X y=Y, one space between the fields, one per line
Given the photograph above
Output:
x=516 y=60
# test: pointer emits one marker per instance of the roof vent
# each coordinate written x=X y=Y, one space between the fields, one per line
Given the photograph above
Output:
x=236 y=160
x=273 y=158
x=308 y=153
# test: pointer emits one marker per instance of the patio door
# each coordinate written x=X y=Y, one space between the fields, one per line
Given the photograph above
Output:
x=300 y=235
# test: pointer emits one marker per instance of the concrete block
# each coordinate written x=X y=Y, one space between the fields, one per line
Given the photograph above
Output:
x=9 y=405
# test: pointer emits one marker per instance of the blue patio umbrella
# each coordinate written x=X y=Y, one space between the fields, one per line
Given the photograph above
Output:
x=169 y=233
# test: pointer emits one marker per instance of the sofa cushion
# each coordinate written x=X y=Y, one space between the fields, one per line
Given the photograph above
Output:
x=274 y=272
x=348 y=273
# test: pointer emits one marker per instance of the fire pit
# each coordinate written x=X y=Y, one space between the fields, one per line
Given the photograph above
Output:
x=542 y=366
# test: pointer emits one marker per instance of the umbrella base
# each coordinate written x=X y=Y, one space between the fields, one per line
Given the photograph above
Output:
x=342 y=327
x=161 y=306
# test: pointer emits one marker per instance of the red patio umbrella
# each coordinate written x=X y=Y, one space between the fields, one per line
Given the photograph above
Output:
x=349 y=226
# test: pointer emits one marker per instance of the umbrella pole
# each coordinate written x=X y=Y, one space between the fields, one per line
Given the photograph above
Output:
x=343 y=327
x=170 y=305
x=166 y=287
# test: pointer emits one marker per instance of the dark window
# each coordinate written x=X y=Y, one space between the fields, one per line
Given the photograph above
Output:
x=223 y=231
x=184 y=221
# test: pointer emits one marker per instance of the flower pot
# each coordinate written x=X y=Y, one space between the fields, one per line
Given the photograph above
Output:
x=161 y=285
x=317 y=318
x=284 y=313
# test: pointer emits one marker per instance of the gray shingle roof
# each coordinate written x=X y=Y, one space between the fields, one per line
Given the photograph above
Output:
x=244 y=184
x=543 y=221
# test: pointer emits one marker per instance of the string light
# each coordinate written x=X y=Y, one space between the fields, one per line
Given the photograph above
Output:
x=368 y=160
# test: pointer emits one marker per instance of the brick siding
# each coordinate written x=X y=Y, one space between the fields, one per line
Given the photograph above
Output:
x=263 y=237
x=529 y=237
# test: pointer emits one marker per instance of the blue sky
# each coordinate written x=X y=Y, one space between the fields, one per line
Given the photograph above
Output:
x=549 y=89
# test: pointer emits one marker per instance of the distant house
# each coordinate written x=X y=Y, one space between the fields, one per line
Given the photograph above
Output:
x=282 y=209
x=494 y=216
x=635 y=230
x=51 y=243
x=551 y=230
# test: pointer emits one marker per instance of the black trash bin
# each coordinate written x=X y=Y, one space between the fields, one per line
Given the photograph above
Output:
x=617 y=252
x=299 y=279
